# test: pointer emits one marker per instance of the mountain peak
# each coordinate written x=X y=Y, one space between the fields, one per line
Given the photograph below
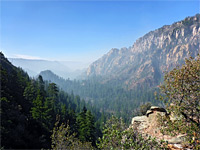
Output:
x=151 y=55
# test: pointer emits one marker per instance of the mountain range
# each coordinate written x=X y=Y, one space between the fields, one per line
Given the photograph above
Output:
x=124 y=79
x=151 y=55
x=65 y=69
x=143 y=63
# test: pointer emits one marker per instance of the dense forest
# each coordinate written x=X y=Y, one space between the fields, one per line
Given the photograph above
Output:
x=36 y=114
x=50 y=112
x=109 y=97
x=30 y=108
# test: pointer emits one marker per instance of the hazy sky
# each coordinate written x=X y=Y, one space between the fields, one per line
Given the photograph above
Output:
x=82 y=30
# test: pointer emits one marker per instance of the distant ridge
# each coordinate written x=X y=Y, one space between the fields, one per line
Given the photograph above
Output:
x=63 y=68
x=151 y=55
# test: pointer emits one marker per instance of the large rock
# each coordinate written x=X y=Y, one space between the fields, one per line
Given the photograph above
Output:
x=139 y=119
x=149 y=126
x=140 y=122
x=149 y=112
x=156 y=108
x=175 y=140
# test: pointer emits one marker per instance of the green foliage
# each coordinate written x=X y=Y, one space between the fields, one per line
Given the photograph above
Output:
x=86 y=126
x=116 y=136
x=48 y=114
x=144 y=108
x=90 y=133
x=110 y=98
x=29 y=108
x=181 y=93
x=112 y=134
x=134 y=140
x=37 y=108
x=30 y=92
x=62 y=138
x=18 y=129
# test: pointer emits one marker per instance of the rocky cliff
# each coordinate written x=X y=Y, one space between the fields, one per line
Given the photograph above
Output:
x=149 y=125
x=151 y=55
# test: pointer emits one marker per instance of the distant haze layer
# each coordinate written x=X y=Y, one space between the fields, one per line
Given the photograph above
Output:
x=65 y=69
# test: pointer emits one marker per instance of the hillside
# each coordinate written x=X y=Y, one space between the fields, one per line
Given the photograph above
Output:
x=107 y=97
x=151 y=55
x=136 y=68
x=30 y=108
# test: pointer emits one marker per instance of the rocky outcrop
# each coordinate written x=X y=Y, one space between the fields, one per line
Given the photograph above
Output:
x=148 y=125
x=157 y=109
x=151 y=55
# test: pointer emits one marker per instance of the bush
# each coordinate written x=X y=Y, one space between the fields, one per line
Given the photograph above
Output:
x=116 y=136
x=181 y=94
x=62 y=138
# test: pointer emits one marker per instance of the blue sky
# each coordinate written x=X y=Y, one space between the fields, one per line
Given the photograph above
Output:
x=82 y=30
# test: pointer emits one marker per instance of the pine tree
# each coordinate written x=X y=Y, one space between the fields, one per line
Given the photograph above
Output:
x=37 y=108
x=53 y=95
x=90 y=128
x=49 y=115
x=82 y=126
x=30 y=92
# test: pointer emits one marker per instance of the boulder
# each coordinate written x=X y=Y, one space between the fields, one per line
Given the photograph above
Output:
x=149 y=112
x=139 y=119
x=156 y=108
x=177 y=140
x=148 y=125
x=140 y=122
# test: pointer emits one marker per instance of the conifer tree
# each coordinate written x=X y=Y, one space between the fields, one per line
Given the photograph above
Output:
x=82 y=126
x=53 y=95
x=37 y=108
x=90 y=128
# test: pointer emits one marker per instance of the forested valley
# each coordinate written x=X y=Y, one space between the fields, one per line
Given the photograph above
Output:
x=30 y=108
x=109 y=97
x=36 y=114
x=142 y=97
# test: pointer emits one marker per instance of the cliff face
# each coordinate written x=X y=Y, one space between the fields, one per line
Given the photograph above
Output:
x=151 y=55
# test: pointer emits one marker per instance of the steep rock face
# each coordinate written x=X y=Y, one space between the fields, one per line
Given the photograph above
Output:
x=151 y=55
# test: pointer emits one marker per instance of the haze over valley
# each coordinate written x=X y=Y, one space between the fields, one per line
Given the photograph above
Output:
x=65 y=69
x=123 y=79
x=100 y=75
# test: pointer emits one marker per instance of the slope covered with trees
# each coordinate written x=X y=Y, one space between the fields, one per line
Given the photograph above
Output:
x=124 y=79
x=179 y=125
x=31 y=107
x=108 y=97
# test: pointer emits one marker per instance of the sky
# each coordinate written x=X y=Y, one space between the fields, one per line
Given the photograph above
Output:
x=82 y=30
